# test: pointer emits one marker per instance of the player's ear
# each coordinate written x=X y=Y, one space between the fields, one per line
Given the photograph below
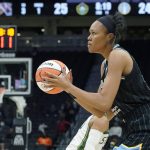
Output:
x=110 y=37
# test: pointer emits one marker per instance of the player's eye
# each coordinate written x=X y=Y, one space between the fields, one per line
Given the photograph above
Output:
x=93 y=33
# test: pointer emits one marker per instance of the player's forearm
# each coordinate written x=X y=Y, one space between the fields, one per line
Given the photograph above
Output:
x=87 y=99
x=90 y=109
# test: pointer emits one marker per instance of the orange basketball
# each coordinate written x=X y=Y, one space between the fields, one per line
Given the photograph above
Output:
x=53 y=67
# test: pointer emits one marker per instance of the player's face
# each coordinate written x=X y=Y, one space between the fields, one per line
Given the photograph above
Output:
x=98 y=39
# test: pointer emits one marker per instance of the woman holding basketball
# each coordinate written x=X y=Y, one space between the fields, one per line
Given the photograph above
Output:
x=123 y=92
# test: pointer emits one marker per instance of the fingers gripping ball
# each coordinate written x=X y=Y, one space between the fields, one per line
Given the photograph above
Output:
x=54 y=67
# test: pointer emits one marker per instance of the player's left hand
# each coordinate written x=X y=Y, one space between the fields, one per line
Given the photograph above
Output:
x=63 y=81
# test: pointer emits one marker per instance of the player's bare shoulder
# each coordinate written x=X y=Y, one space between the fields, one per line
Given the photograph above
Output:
x=120 y=57
x=119 y=53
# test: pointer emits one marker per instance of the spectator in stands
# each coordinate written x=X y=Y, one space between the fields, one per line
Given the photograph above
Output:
x=44 y=139
x=115 y=130
x=20 y=102
x=8 y=111
x=53 y=111
x=69 y=111
x=62 y=124
x=42 y=127
x=76 y=106
x=7 y=114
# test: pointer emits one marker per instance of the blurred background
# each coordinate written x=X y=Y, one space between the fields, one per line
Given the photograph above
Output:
x=34 y=31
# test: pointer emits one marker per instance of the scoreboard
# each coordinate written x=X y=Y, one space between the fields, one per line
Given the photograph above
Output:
x=73 y=7
x=8 y=38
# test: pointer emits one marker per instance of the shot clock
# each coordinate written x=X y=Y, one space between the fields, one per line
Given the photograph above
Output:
x=8 y=38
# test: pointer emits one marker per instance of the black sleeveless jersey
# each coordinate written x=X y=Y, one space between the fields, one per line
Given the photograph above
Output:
x=132 y=102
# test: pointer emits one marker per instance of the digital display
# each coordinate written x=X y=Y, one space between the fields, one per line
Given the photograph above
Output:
x=6 y=9
x=79 y=7
x=8 y=35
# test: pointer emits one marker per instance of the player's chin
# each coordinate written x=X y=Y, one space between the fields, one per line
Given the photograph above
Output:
x=90 y=50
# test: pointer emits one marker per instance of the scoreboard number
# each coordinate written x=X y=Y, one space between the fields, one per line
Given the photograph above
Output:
x=8 y=38
x=144 y=8
x=60 y=9
x=102 y=7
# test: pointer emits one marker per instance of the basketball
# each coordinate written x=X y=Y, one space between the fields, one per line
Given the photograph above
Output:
x=54 y=67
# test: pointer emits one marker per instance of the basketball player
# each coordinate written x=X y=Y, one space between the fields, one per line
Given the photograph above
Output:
x=124 y=91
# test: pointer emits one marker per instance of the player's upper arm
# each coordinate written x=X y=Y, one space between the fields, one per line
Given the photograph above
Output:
x=116 y=64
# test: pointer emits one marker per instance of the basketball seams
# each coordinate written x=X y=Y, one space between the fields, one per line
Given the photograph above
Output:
x=48 y=68
x=39 y=72
x=60 y=64
x=41 y=86
x=50 y=90
x=55 y=90
x=51 y=64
